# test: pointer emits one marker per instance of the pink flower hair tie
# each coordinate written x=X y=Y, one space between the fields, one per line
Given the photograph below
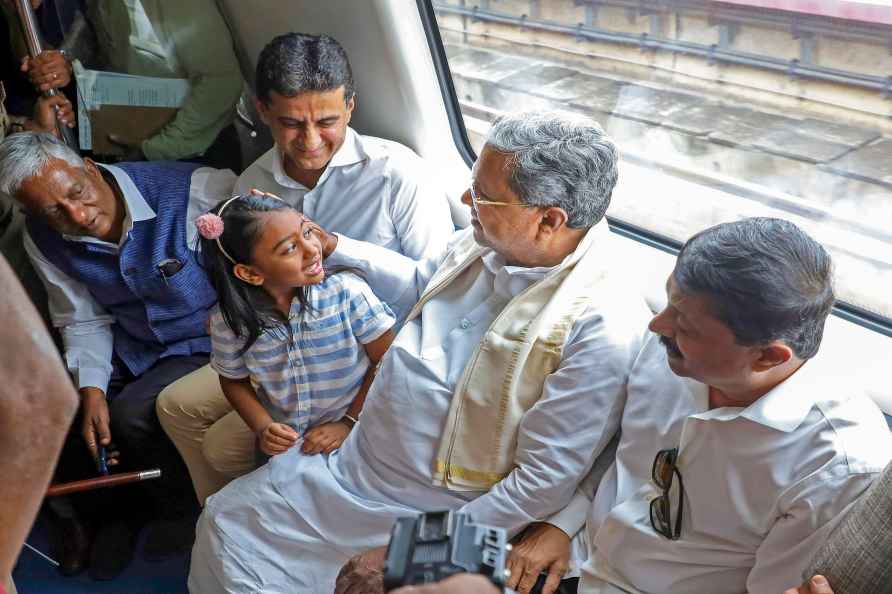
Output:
x=210 y=226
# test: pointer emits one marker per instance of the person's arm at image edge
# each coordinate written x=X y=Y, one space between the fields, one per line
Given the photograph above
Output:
x=36 y=409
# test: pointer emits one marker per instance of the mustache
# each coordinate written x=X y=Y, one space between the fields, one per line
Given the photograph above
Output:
x=670 y=346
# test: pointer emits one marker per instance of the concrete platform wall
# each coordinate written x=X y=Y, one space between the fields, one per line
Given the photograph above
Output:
x=840 y=102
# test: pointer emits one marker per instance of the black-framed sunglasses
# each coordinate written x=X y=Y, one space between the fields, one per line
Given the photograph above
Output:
x=664 y=469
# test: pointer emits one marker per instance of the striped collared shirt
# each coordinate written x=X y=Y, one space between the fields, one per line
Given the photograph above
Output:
x=312 y=375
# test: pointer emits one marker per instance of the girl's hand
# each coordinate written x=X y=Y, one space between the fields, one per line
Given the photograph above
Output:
x=277 y=438
x=325 y=438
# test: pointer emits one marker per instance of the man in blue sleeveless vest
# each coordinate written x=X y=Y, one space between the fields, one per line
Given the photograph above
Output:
x=113 y=246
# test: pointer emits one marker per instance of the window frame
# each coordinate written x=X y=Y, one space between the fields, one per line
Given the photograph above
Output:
x=842 y=309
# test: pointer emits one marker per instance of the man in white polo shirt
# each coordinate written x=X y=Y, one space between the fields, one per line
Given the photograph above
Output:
x=741 y=446
x=365 y=188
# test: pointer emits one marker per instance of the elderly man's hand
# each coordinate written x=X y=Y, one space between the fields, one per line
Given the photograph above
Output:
x=816 y=585
x=464 y=583
x=47 y=109
x=95 y=424
x=48 y=70
x=541 y=547
x=363 y=574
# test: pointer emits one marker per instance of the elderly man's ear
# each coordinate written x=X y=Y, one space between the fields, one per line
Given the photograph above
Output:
x=91 y=168
x=553 y=220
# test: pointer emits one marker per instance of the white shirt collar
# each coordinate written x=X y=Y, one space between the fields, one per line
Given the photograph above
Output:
x=350 y=153
x=515 y=279
x=510 y=281
x=135 y=206
x=785 y=407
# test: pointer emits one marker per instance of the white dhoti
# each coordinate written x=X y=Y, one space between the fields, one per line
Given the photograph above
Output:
x=289 y=526
x=250 y=539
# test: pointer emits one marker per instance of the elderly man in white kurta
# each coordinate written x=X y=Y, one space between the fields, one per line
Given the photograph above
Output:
x=740 y=447
x=506 y=382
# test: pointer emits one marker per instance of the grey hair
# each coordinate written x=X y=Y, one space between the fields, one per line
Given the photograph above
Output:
x=25 y=154
x=559 y=159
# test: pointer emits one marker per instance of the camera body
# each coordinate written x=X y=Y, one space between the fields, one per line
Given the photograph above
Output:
x=435 y=545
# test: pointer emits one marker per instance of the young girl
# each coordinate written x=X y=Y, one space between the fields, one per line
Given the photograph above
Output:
x=295 y=346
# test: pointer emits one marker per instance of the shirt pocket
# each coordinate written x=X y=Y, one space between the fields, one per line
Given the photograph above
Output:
x=180 y=292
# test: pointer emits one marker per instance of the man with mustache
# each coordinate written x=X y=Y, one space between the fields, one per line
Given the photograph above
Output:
x=741 y=448
x=114 y=247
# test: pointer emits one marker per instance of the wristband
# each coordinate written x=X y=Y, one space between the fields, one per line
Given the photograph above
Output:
x=351 y=421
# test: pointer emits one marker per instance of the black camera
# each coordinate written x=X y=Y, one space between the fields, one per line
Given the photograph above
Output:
x=435 y=545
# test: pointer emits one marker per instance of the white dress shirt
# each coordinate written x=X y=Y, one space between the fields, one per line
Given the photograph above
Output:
x=763 y=485
x=84 y=323
x=373 y=190
x=326 y=508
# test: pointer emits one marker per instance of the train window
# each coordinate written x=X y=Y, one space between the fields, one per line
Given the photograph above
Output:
x=721 y=109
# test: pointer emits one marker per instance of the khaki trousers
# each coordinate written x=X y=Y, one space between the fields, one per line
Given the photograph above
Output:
x=212 y=438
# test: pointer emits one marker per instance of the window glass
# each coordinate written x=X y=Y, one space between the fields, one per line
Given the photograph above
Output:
x=722 y=110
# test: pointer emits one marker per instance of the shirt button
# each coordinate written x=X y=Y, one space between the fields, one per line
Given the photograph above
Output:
x=465 y=324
